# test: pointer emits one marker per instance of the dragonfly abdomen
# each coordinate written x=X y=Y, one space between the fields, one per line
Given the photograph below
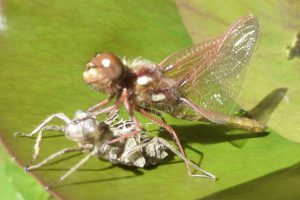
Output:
x=246 y=124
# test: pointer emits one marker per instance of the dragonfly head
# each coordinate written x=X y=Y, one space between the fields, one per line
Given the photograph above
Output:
x=103 y=72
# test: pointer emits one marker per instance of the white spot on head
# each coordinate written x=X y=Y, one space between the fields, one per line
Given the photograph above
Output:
x=105 y=62
x=144 y=80
x=158 y=97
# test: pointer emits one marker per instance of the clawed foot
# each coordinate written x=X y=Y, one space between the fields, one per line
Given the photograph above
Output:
x=27 y=168
x=50 y=186
x=207 y=175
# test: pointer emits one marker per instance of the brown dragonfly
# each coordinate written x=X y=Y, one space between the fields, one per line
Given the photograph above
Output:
x=201 y=82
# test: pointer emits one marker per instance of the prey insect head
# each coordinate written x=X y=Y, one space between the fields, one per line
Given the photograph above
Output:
x=89 y=130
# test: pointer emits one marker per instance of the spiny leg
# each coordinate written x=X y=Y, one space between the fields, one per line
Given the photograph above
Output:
x=73 y=169
x=155 y=112
x=124 y=99
x=109 y=109
x=39 y=139
x=46 y=121
x=52 y=156
x=101 y=104
x=94 y=109
x=128 y=135
x=156 y=140
x=171 y=131
x=171 y=148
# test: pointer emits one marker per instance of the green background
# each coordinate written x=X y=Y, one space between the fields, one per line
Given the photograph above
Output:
x=43 y=50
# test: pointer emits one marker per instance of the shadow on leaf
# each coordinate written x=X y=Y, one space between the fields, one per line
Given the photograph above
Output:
x=213 y=133
x=282 y=184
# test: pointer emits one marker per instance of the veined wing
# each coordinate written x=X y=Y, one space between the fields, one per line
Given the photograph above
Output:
x=211 y=73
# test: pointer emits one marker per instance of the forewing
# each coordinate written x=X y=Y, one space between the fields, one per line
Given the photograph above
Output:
x=211 y=74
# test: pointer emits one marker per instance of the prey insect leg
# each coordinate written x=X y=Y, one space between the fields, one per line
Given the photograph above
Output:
x=41 y=128
x=39 y=139
x=51 y=157
x=73 y=169
x=46 y=121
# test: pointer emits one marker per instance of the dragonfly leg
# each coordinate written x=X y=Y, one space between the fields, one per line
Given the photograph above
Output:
x=101 y=104
x=192 y=164
x=171 y=131
x=155 y=112
x=124 y=99
x=95 y=109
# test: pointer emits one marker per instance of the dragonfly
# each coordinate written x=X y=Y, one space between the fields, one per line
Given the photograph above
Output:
x=91 y=136
x=198 y=83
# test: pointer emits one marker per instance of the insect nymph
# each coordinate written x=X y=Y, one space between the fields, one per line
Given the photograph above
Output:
x=201 y=82
x=91 y=136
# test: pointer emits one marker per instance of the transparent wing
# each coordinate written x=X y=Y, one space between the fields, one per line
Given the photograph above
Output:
x=211 y=74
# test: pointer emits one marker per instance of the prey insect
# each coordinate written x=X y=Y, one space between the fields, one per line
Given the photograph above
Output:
x=91 y=136
x=201 y=82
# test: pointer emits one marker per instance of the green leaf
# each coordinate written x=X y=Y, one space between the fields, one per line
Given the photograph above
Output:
x=44 y=48
x=270 y=67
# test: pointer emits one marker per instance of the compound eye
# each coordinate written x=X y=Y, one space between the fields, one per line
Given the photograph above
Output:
x=111 y=65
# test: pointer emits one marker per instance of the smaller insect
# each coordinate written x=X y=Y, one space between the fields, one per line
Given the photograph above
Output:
x=92 y=136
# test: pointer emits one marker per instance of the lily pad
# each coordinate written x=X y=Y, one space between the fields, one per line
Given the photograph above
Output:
x=270 y=67
x=44 y=47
